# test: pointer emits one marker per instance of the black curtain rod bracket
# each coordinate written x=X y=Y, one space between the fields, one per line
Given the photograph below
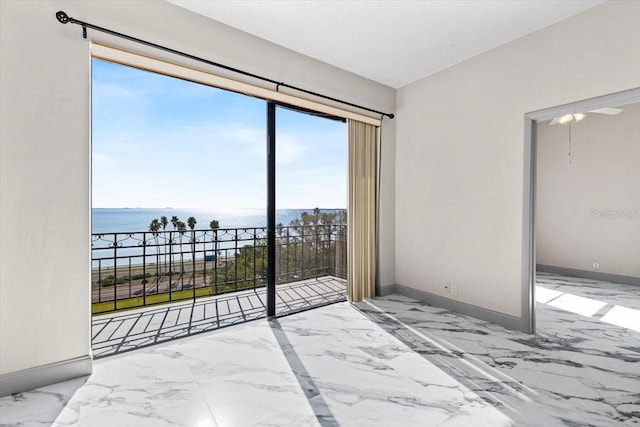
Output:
x=63 y=18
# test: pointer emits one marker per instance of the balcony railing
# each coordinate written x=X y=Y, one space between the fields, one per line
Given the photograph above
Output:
x=137 y=269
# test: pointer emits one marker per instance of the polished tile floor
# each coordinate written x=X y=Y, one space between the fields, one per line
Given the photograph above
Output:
x=388 y=361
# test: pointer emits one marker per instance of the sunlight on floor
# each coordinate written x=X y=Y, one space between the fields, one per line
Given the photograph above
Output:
x=544 y=295
x=618 y=315
x=579 y=305
x=624 y=317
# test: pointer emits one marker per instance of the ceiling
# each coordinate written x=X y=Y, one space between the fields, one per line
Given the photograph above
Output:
x=391 y=42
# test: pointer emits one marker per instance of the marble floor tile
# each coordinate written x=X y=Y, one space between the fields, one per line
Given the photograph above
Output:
x=152 y=388
x=388 y=361
x=577 y=370
x=39 y=407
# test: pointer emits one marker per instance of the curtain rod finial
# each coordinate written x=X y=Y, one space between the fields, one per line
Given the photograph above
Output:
x=62 y=17
x=391 y=116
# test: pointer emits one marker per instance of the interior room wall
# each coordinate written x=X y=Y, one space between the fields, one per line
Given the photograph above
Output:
x=460 y=152
x=588 y=193
x=45 y=145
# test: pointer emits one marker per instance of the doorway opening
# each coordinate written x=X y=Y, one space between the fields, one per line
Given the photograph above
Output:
x=579 y=209
x=311 y=250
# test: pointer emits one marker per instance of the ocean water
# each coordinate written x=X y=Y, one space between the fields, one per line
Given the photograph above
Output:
x=109 y=220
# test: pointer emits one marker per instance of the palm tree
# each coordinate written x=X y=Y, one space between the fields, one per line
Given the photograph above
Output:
x=174 y=221
x=191 y=221
x=164 y=222
x=182 y=227
x=154 y=227
x=214 y=225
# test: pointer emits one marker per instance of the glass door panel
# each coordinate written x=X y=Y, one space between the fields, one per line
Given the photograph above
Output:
x=311 y=200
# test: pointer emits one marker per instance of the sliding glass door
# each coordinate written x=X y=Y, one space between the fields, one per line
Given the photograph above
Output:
x=178 y=189
x=196 y=198
x=311 y=201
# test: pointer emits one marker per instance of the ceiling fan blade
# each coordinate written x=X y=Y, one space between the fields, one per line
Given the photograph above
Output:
x=608 y=110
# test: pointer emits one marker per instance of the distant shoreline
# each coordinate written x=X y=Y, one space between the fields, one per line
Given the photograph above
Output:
x=110 y=220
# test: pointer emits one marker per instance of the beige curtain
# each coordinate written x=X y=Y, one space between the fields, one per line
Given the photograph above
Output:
x=362 y=219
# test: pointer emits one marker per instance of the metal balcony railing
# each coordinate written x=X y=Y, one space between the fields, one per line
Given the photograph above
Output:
x=137 y=269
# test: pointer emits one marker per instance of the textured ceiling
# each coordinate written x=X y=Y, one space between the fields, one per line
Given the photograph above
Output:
x=391 y=42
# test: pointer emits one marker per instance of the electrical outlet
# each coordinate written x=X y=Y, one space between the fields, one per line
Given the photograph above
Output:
x=454 y=290
x=596 y=266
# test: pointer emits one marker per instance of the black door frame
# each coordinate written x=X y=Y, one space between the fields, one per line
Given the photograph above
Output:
x=271 y=194
x=271 y=209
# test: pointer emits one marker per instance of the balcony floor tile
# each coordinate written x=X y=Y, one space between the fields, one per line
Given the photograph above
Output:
x=118 y=332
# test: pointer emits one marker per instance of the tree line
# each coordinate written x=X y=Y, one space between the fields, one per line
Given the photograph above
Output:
x=312 y=245
x=179 y=226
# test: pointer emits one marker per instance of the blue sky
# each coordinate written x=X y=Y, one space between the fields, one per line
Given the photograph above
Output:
x=159 y=141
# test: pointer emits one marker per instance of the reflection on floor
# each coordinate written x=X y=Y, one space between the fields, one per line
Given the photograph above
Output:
x=134 y=329
x=615 y=304
x=388 y=361
x=582 y=368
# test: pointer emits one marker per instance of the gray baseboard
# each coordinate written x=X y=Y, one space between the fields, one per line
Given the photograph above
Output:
x=383 y=291
x=592 y=275
x=41 y=376
x=501 y=319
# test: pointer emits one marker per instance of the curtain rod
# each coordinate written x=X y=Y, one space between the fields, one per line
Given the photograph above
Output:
x=63 y=18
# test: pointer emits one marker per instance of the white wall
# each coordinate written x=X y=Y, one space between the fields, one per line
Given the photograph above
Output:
x=459 y=149
x=45 y=155
x=589 y=210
